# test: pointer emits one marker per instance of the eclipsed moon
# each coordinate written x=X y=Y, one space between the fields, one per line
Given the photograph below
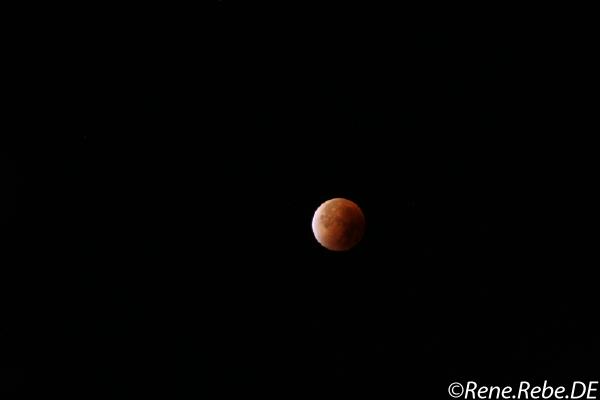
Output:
x=338 y=224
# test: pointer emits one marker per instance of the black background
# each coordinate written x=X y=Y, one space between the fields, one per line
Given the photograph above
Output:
x=168 y=227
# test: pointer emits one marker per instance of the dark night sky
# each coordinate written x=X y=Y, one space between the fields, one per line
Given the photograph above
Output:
x=174 y=218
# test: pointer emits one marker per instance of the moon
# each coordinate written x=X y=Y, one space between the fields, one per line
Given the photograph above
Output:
x=338 y=224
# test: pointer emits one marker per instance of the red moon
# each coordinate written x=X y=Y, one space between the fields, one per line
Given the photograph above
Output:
x=338 y=224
